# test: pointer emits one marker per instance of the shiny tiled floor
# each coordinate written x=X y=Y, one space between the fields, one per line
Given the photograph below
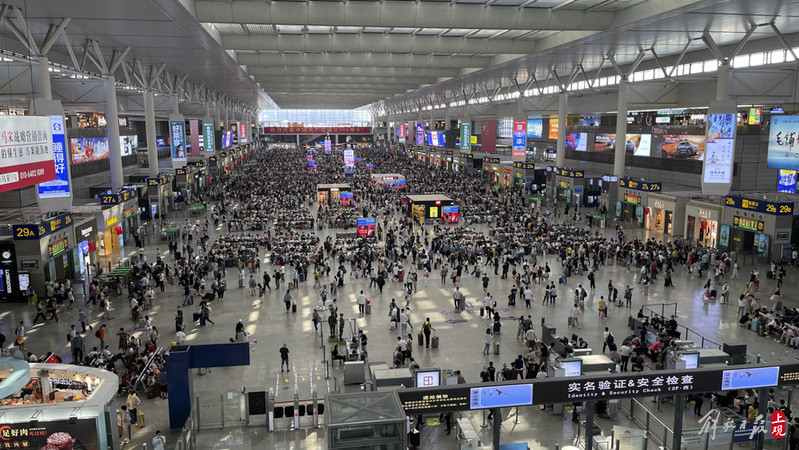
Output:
x=461 y=345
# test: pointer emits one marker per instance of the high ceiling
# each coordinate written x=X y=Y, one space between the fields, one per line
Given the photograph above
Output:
x=343 y=54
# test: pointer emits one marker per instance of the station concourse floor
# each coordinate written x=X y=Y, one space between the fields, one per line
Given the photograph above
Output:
x=461 y=344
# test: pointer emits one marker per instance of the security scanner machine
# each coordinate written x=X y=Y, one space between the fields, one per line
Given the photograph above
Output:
x=365 y=419
x=390 y=379
x=596 y=364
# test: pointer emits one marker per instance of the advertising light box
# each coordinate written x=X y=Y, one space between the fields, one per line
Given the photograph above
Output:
x=59 y=187
x=783 y=143
x=88 y=149
x=787 y=182
x=535 y=128
x=680 y=146
x=177 y=131
x=451 y=214
x=366 y=227
x=577 y=141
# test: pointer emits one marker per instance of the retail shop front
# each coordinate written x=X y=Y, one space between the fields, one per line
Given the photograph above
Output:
x=58 y=406
x=497 y=171
x=664 y=211
x=523 y=174
x=568 y=186
x=633 y=196
x=757 y=227
x=428 y=206
x=124 y=207
x=184 y=184
x=44 y=250
x=159 y=188
x=702 y=221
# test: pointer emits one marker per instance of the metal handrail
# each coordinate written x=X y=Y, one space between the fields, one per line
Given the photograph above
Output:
x=703 y=340
x=661 y=440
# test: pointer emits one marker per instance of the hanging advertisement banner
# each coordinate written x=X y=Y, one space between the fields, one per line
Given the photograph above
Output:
x=349 y=157
x=401 y=132
x=60 y=186
x=419 y=133
x=194 y=137
x=26 y=151
x=489 y=136
x=209 y=143
x=466 y=136
x=519 y=138
x=328 y=145
x=720 y=148
x=177 y=131
x=242 y=133
x=783 y=143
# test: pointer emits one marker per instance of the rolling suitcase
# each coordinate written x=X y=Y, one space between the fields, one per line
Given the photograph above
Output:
x=415 y=438
x=420 y=338
x=293 y=307
x=713 y=293
x=401 y=276
x=368 y=308
x=434 y=341
x=482 y=311
x=110 y=314
x=496 y=348
x=140 y=419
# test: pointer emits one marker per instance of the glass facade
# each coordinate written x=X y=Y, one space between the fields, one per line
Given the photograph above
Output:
x=316 y=117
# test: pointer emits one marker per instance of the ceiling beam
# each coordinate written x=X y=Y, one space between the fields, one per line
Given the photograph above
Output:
x=349 y=71
x=352 y=81
x=401 y=15
x=376 y=43
x=362 y=59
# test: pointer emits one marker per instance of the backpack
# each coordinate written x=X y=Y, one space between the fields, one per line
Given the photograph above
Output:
x=610 y=338
x=97 y=334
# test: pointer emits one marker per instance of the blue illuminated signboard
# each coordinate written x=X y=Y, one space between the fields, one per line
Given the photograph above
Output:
x=501 y=396
x=749 y=378
x=60 y=186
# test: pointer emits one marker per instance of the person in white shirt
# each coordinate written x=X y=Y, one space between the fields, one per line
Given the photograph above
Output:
x=159 y=441
x=180 y=336
x=361 y=303
x=528 y=297
x=575 y=316
x=488 y=304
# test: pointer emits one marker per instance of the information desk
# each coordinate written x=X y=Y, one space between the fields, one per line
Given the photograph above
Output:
x=609 y=386
x=74 y=405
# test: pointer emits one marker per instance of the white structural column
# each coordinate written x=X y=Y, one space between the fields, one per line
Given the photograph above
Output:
x=217 y=120
x=447 y=125
x=563 y=106
x=621 y=130
x=42 y=88
x=175 y=104
x=112 y=128
x=227 y=119
x=723 y=81
x=149 y=128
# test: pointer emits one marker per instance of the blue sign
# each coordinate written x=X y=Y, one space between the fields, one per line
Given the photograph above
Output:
x=749 y=378
x=535 y=128
x=759 y=205
x=640 y=185
x=501 y=396
x=450 y=209
x=45 y=228
x=60 y=186
x=786 y=183
x=366 y=222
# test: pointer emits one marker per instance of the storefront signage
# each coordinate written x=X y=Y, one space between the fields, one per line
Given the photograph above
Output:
x=111 y=221
x=29 y=264
x=506 y=170
x=181 y=171
x=61 y=434
x=47 y=227
x=524 y=165
x=610 y=178
x=57 y=247
x=127 y=212
x=640 y=185
x=569 y=173
x=66 y=383
x=490 y=160
x=60 y=186
x=704 y=213
x=747 y=224
x=630 y=198
x=762 y=206
x=658 y=204
x=783 y=235
x=115 y=199
x=26 y=151
x=317 y=130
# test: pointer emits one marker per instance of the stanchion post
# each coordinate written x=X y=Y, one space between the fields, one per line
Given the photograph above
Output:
x=497 y=427
x=589 y=424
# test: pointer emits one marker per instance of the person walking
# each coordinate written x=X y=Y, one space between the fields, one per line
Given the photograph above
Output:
x=84 y=321
x=284 y=357
x=575 y=316
x=427 y=327
x=287 y=300
x=488 y=339
x=315 y=319
x=361 y=303
x=628 y=296
x=127 y=422
x=456 y=298
x=132 y=402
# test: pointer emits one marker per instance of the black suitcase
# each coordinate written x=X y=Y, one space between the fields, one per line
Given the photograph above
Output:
x=196 y=316
x=712 y=293
x=293 y=307
x=482 y=311
x=415 y=438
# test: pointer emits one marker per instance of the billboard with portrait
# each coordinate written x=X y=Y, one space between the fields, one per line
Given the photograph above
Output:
x=177 y=131
x=88 y=149
x=128 y=145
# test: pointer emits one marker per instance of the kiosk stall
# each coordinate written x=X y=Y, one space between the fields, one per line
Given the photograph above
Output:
x=428 y=206
x=58 y=405
x=388 y=179
x=45 y=245
x=331 y=194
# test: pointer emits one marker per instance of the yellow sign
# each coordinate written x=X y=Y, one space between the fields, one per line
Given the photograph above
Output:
x=110 y=221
